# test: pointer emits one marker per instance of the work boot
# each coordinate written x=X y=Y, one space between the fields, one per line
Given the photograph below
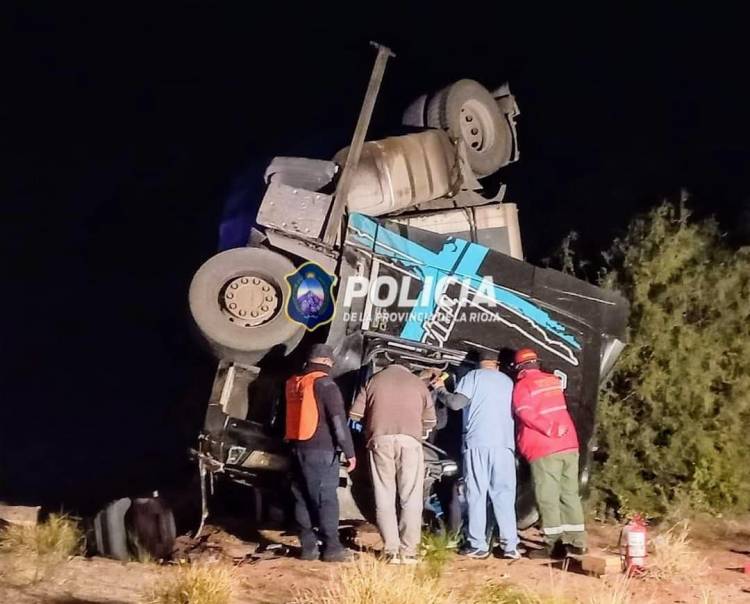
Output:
x=309 y=555
x=555 y=551
x=559 y=550
x=543 y=553
x=576 y=550
x=338 y=555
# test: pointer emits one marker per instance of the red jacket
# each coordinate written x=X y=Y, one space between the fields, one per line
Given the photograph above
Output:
x=539 y=405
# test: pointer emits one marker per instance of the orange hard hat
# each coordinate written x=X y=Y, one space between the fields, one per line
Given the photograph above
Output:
x=525 y=355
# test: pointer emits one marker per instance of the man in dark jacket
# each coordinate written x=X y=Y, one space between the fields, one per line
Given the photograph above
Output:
x=316 y=426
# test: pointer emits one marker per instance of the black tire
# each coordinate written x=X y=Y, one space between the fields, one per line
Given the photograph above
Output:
x=227 y=338
x=527 y=513
x=528 y=518
x=109 y=530
x=151 y=528
x=465 y=107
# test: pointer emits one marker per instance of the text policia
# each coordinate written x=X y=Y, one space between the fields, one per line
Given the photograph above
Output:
x=387 y=292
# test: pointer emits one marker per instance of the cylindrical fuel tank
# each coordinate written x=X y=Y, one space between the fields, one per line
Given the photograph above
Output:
x=402 y=171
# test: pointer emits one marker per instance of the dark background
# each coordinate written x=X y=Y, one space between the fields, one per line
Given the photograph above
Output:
x=127 y=130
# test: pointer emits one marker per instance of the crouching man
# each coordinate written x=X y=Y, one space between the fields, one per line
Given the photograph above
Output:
x=547 y=439
x=316 y=427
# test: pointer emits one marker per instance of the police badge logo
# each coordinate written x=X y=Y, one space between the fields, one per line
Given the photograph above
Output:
x=310 y=300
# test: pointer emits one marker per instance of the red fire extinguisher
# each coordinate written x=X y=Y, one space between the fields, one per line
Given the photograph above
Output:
x=633 y=545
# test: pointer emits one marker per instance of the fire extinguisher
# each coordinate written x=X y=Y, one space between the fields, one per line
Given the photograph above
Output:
x=633 y=545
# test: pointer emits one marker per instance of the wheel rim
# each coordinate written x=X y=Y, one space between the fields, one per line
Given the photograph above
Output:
x=249 y=301
x=476 y=126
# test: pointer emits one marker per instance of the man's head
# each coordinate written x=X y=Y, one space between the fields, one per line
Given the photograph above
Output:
x=321 y=354
x=488 y=359
x=526 y=358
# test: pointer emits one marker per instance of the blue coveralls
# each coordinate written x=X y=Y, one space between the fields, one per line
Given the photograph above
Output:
x=489 y=456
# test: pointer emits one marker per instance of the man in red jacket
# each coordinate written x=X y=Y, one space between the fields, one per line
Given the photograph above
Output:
x=547 y=439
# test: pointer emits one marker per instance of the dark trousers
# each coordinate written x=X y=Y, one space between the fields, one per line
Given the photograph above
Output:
x=314 y=483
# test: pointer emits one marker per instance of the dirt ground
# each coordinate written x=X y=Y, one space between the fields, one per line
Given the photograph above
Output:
x=266 y=572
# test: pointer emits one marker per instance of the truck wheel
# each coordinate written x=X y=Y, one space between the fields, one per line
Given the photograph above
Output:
x=527 y=513
x=109 y=530
x=467 y=110
x=151 y=527
x=527 y=519
x=237 y=299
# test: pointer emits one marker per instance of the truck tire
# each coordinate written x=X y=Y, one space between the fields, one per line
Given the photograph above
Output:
x=528 y=518
x=527 y=513
x=468 y=111
x=109 y=530
x=237 y=299
x=151 y=528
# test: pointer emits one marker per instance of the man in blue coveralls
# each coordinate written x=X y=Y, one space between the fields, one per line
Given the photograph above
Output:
x=485 y=395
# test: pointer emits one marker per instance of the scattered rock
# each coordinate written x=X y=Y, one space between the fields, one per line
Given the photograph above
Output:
x=20 y=514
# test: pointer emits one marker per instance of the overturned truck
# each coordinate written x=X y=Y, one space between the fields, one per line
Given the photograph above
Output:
x=392 y=250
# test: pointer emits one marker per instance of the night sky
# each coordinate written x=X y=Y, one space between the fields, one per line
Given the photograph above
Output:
x=127 y=131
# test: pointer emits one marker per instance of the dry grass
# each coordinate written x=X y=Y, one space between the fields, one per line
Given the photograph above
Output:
x=616 y=591
x=57 y=538
x=37 y=553
x=707 y=596
x=368 y=581
x=673 y=556
x=194 y=584
x=506 y=593
x=494 y=592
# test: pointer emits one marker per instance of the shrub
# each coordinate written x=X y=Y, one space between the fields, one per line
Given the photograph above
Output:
x=437 y=549
x=58 y=538
x=617 y=591
x=368 y=581
x=505 y=593
x=672 y=555
x=194 y=584
x=674 y=417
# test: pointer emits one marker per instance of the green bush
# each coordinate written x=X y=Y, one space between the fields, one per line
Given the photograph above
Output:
x=436 y=550
x=674 y=418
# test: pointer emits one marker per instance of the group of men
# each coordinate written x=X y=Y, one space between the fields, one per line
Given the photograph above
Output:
x=398 y=411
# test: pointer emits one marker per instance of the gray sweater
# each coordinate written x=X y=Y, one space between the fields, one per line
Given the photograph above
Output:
x=395 y=401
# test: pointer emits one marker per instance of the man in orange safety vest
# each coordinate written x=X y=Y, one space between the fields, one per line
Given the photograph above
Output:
x=316 y=427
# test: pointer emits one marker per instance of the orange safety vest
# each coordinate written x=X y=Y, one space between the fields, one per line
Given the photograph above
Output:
x=301 y=406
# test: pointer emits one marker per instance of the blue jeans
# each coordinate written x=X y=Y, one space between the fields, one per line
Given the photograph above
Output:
x=314 y=484
x=491 y=472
